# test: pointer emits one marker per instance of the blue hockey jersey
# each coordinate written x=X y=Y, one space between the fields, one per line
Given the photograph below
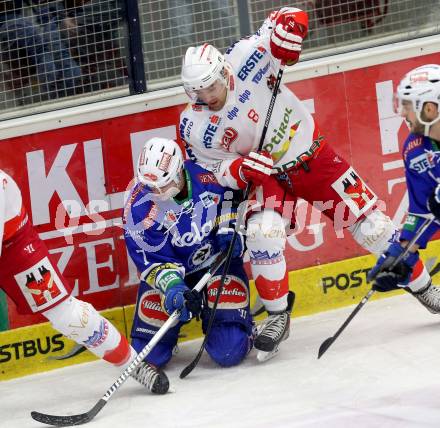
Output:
x=421 y=157
x=176 y=237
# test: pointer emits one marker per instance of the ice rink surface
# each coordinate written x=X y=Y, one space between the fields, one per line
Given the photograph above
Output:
x=383 y=371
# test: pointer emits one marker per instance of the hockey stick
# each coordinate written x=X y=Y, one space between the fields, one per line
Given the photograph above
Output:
x=76 y=350
x=64 y=421
x=241 y=217
x=329 y=341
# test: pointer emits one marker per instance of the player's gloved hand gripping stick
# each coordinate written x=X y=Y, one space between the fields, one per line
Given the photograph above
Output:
x=241 y=217
x=329 y=341
x=63 y=421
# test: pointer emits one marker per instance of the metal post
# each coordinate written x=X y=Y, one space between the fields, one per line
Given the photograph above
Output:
x=244 y=17
x=137 y=81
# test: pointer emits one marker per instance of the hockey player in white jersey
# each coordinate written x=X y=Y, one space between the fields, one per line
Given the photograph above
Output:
x=32 y=280
x=221 y=128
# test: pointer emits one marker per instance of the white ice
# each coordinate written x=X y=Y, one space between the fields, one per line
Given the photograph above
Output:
x=383 y=371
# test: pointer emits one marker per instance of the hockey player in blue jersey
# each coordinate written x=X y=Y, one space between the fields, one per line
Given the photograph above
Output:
x=177 y=220
x=417 y=100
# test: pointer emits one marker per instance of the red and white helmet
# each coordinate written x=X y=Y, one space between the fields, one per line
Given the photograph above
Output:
x=202 y=66
x=160 y=167
x=420 y=86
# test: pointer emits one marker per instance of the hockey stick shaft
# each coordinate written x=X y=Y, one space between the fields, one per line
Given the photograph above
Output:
x=62 y=421
x=241 y=216
x=329 y=341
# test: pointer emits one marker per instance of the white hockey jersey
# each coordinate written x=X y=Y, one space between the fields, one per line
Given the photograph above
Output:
x=214 y=139
x=12 y=212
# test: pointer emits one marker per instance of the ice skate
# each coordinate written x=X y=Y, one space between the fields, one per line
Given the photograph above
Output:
x=155 y=380
x=275 y=328
x=429 y=297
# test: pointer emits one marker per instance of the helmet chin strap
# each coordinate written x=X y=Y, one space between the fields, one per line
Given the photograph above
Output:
x=428 y=124
x=172 y=191
x=166 y=195
x=427 y=127
x=169 y=193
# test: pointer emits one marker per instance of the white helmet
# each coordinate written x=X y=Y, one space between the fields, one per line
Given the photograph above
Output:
x=201 y=67
x=420 y=86
x=160 y=164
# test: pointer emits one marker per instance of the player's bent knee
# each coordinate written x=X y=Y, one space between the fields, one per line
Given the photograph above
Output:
x=159 y=356
x=266 y=229
x=76 y=319
x=228 y=344
x=373 y=232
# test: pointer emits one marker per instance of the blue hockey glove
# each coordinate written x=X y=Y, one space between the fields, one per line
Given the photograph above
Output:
x=224 y=238
x=386 y=279
x=434 y=202
x=179 y=296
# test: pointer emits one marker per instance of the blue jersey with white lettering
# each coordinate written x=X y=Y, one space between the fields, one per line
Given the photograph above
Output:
x=177 y=236
x=421 y=157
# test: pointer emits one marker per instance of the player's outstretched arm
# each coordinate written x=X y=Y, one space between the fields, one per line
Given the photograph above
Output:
x=289 y=29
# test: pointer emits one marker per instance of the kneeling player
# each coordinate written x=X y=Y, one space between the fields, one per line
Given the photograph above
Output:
x=175 y=228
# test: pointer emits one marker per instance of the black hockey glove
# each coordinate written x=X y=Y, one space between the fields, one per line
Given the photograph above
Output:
x=434 y=202
x=193 y=302
x=386 y=279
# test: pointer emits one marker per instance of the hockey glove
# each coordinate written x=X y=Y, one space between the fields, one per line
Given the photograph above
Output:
x=386 y=279
x=179 y=296
x=224 y=238
x=290 y=28
x=434 y=202
x=255 y=167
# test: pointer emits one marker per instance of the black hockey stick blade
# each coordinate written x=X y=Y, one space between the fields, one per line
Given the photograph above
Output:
x=68 y=421
x=328 y=342
x=325 y=345
x=190 y=367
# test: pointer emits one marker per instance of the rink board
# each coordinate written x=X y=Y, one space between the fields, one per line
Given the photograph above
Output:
x=92 y=163
x=29 y=350
x=317 y=289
